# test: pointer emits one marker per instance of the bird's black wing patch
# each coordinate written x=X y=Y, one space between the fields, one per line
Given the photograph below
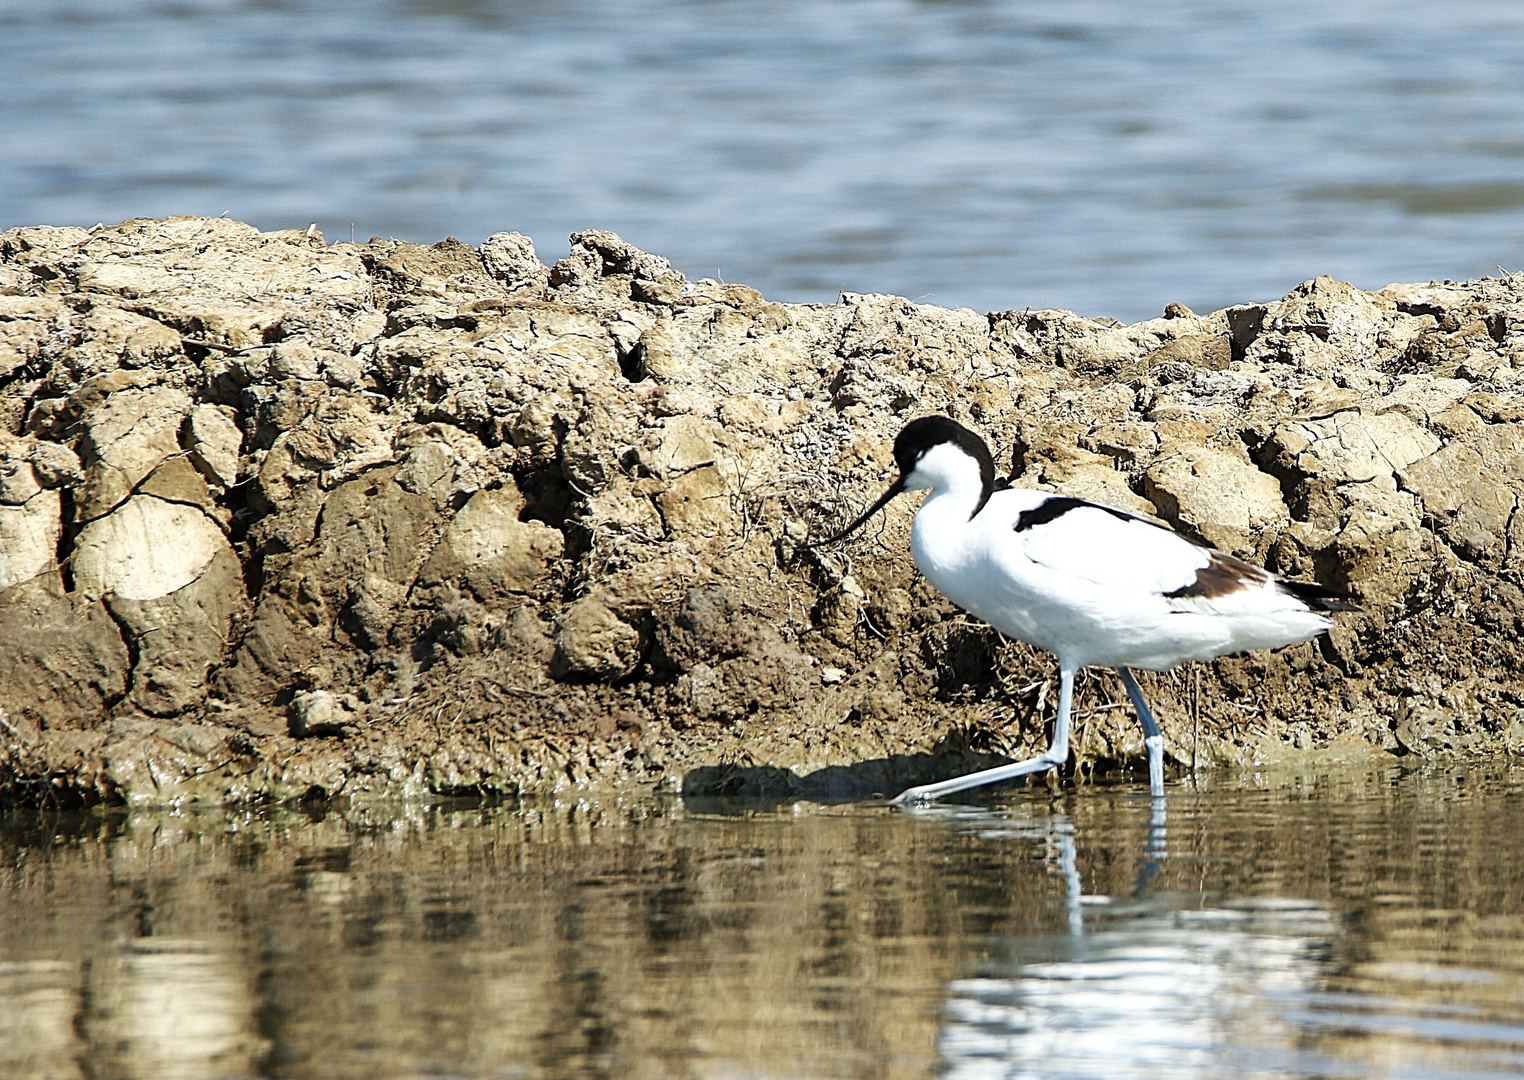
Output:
x=1222 y=576
x=1059 y=505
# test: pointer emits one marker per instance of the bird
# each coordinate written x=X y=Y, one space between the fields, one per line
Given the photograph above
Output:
x=1092 y=584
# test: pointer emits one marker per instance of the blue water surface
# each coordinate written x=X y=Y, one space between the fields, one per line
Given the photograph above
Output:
x=1105 y=156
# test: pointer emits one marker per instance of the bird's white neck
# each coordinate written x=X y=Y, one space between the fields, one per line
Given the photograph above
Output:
x=941 y=527
x=939 y=536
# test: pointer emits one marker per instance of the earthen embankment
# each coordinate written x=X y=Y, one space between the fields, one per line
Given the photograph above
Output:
x=280 y=519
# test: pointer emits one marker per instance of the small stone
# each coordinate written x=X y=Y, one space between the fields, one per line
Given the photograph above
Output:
x=321 y=712
x=830 y=676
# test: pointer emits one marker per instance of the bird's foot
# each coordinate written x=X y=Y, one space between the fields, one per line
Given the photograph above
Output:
x=916 y=796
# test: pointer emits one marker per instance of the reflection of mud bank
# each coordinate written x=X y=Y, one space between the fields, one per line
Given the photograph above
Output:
x=1327 y=925
x=279 y=518
x=554 y=942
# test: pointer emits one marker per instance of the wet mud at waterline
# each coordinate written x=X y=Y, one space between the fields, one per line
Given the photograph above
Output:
x=281 y=519
x=1354 y=923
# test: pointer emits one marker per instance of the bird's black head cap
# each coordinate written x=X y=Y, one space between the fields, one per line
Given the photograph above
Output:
x=921 y=434
x=914 y=439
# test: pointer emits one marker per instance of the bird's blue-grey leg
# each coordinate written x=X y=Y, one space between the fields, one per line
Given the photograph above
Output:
x=1056 y=754
x=1153 y=738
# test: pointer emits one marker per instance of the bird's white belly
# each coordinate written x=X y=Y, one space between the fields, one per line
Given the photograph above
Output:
x=1081 y=629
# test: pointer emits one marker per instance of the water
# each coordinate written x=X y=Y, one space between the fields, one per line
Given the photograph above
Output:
x=1358 y=924
x=1105 y=156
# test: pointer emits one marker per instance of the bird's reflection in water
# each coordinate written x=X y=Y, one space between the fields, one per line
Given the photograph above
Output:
x=1145 y=985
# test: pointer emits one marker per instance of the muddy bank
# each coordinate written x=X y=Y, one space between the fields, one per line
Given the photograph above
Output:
x=281 y=519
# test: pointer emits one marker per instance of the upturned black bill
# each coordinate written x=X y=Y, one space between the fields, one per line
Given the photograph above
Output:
x=894 y=489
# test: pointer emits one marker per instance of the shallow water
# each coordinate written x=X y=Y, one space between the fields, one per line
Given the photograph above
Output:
x=1100 y=155
x=1358 y=924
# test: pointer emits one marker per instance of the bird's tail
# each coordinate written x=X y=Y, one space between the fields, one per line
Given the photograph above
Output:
x=1318 y=597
